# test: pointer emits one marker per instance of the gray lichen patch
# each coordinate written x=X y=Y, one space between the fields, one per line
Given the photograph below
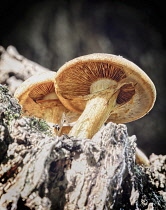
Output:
x=10 y=109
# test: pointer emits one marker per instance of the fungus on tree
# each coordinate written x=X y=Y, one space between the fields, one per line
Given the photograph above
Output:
x=103 y=87
x=38 y=98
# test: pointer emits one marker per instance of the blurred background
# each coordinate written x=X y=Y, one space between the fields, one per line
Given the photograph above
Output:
x=53 y=32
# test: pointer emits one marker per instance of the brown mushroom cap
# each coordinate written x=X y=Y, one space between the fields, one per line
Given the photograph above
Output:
x=136 y=95
x=32 y=91
x=38 y=98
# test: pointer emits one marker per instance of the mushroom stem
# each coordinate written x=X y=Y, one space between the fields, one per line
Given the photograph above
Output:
x=54 y=115
x=53 y=112
x=95 y=114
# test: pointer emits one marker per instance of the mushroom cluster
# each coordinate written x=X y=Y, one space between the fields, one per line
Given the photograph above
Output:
x=89 y=90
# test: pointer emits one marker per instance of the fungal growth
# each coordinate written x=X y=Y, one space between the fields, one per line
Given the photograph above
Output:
x=38 y=98
x=102 y=88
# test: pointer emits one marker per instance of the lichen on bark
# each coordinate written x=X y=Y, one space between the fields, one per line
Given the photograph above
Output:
x=9 y=110
x=41 y=171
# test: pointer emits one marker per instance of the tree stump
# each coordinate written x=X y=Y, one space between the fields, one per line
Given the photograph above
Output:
x=41 y=171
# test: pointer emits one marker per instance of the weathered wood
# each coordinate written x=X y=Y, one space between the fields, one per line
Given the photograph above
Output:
x=41 y=171
x=15 y=68
x=89 y=172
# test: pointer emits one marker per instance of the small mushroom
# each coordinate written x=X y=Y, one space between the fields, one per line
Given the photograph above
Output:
x=141 y=158
x=65 y=129
x=103 y=87
x=38 y=98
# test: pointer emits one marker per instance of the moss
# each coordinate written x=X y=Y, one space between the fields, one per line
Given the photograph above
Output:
x=40 y=125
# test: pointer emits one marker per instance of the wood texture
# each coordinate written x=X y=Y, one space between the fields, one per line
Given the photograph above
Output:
x=15 y=68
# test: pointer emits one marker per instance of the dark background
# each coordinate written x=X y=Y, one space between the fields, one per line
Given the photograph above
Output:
x=53 y=32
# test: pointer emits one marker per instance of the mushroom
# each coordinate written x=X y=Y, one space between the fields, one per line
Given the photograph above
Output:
x=141 y=158
x=65 y=129
x=38 y=98
x=103 y=87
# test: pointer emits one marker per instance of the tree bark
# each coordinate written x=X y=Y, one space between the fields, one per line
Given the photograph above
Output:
x=41 y=171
